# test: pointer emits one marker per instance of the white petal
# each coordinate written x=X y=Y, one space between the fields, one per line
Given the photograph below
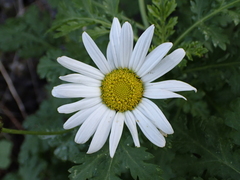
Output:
x=116 y=133
x=95 y=53
x=75 y=90
x=131 y=124
x=141 y=48
x=149 y=130
x=79 y=105
x=165 y=65
x=90 y=125
x=78 y=78
x=172 y=85
x=110 y=57
x=153 y=93
x=150 y=110
x=79 y=117
x=115 y=41
x=154 y=57
x=126 y=44
x=102 y=132
x=80 y=67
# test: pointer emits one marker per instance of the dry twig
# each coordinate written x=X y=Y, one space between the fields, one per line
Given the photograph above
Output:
x=13 y=90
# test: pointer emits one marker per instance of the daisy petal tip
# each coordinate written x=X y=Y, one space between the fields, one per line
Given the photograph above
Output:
x=61 y=58
x=84 y=33
x=181 y=51
x=112 y=153
x=152 y=27
x=77 y=140
x=65 y=126
x=194 y=89
x=171 y=131
x=61 y=110
x=53 y=92
x=115 y=21
x=163 y=145
x=127 y=24
x=180 y=96
x=170 y=44
x=90 y=151
x=167 y=45
x=60 y=77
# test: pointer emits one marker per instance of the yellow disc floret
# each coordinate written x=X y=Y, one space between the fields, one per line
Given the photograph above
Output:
x=121 y=90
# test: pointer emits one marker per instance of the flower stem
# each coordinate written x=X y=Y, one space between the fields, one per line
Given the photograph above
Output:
x=204 y=19
x=143 y=12
x=14 y=131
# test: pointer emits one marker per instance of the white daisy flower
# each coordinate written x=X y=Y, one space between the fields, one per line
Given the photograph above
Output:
x=118 y=92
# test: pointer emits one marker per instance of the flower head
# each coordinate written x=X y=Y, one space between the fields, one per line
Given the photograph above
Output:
x=118 y=92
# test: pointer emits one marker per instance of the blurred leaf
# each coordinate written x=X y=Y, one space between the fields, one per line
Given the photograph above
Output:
x=5 y=151
x=48 y=66
x=232 y=120
x=32 y=167
x=25 y=34
x=205 y=148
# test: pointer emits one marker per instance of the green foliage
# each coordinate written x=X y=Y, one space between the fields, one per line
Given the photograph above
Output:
x=37 y=150
x=25 y=35
x=194 y=48
x=5 y=149
x=101 y=166
x=78 y=15
x=213 y=31
x=232 y=120
x=48 y=66
x=206 y=150
x=159 y=15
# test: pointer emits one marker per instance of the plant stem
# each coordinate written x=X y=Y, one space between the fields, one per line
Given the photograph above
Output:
x=143 y=12
x=204 y=19
x=14 y=131
x=212 y=66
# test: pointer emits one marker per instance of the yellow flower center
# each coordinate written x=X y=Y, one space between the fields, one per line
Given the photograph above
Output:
x=121 y=90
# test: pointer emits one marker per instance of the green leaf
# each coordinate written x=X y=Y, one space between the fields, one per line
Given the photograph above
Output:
x=232 y=120
x=195 y=105
x=135 y=159
x=97 y=32
x=204 y=11
x=26 y=35
x=159 y=15
x=48 y=66
x=100 y=166
x=78 y=16
x=204 y=147
x=35 y=166
x=194 y=48
x=216 y=35
x=5 y=150
x=111 y=7
x=65 y=147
